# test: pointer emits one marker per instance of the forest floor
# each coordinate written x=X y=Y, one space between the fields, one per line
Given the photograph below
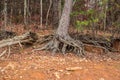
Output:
x=26 y=64
x=41 y=65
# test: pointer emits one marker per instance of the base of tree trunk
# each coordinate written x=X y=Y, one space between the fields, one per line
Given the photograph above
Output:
x=64 y=45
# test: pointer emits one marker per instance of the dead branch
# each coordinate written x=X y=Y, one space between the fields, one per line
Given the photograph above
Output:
x=27 y=37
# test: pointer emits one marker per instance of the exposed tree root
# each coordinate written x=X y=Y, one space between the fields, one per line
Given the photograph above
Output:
x=100 y=42
x=64 y=45
x=57 y=43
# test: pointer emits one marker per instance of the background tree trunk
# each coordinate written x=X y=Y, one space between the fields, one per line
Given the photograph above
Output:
x=55 y=10
x=25 y=12
x=41 y=13
x=46 y=24
x=5 y=15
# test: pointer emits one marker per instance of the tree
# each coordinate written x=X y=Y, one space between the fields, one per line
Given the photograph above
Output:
x=65 y=20
x=25 y=14
x=5 y=14
x=55 y=10
x=41 y=13
x=61 y=40
x=48 y=13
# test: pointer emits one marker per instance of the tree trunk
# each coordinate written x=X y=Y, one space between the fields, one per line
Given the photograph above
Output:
x=5 y=14
x=46 y=24
x=65 y=19
x=41 y=13
x=61 y=40
x=25 y=12
x=55 y=10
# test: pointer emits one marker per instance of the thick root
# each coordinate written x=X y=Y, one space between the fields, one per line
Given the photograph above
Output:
x=64 y=45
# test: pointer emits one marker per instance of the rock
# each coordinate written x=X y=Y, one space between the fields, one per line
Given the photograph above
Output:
x=57 y=75
x=101 y=79
x=60 y=70
x=73 y=68
x=67 y=73
x=21 y=76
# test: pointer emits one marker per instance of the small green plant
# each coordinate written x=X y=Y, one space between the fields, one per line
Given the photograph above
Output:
x=80 y=24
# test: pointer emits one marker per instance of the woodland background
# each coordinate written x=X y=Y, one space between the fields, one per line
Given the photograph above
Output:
x=29 y=26
x=86 y=14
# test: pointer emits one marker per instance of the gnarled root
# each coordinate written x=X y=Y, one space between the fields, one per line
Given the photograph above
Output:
x=64 y=45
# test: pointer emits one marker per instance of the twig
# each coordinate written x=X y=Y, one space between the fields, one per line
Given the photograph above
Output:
x=8 y=51
x=20 y=44
x=3 y=53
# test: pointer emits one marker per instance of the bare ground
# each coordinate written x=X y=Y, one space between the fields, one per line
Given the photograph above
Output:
x=41 y=65
x=26 y=64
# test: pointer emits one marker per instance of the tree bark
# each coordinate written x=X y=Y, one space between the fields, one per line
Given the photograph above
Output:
x=25 y=12
x=27 y=37
x=48 y=13
x=41 y=13
x=61 y=40
x=55 y=10
x=5 y=14
x=62 y=30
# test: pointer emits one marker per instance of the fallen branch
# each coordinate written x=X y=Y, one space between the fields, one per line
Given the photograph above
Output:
x=27 y=37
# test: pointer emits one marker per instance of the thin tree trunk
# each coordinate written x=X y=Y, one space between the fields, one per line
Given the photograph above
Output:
x=5 y=14
x=48 y=13
x=25 y=12
x=105 y=14
x=55 y=19
x=41 y=13
x=11 y=16
x=28 y=12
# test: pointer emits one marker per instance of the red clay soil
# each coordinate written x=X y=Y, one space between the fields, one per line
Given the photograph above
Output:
x=41 y=65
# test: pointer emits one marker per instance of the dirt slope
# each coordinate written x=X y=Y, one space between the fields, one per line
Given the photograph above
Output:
x=40 y=65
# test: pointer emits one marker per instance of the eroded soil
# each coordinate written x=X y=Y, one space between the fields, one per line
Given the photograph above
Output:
x=41 y=65
x=26 y=64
